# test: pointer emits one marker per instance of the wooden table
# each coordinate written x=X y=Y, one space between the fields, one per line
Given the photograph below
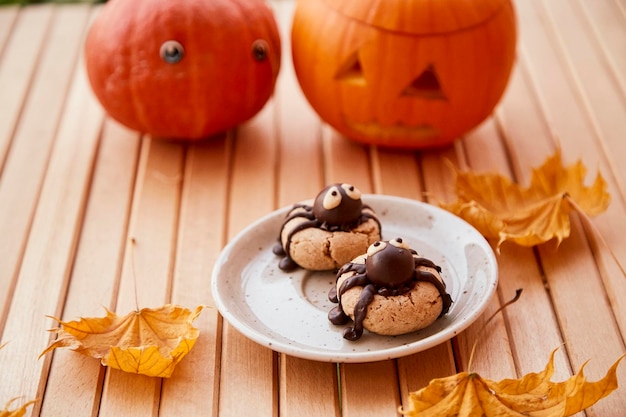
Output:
x=76 y=186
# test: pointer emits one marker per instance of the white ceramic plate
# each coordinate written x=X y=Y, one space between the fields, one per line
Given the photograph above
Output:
x=287 y=311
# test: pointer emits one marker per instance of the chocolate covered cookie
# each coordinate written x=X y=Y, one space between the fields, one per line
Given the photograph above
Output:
x=390 y=290
x=329 y=233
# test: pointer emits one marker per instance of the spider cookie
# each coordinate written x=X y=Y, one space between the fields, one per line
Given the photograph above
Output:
x=331 y=232
x=390 y=290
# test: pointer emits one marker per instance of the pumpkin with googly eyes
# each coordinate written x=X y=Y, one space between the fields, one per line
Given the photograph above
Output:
x=183 y=69
x=403 y=73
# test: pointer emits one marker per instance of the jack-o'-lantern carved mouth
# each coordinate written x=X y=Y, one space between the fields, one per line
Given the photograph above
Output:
x=375 y=129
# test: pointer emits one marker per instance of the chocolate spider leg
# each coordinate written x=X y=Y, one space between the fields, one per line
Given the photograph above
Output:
x=349 y=267
x=278 y=248
x=445 y=297
x=287 y=263
x=336 y=315
x=359 y=279
x=360 y=311
x=353 y=281
x=366 y=216
x=427 y=263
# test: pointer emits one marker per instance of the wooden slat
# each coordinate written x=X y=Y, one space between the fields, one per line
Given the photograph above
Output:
x=49 y=254
x=397 y=172
x=21 y=39
x=596 y=84
x=306 y=387
x=493 y=356
x=369 y=389
x=576 y=287
x=249 y=371
x=22 y=174
x=8 y=16
x=348 y=161
x=607 y=22
x=416 y=371
x=300 y=171
x=518 y=268
x=148 y=266
x=200 y=238
x=77 y=378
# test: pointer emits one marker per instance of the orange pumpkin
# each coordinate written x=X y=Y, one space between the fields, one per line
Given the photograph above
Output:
x=183 y=68
x=403 y=73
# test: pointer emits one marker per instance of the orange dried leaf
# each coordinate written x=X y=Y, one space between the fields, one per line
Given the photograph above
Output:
x=148 y=341
x=500 y=208
x=18 y=412
x=534 y=395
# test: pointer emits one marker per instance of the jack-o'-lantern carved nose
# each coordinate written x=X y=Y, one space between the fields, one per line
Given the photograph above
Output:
x=426 y=86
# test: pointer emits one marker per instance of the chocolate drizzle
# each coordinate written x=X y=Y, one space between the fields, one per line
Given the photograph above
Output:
x=388 y=254
x=347 y=214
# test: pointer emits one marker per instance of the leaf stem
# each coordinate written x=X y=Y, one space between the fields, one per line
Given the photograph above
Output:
x=133 y=243
x=590 y=226
x=518 y=293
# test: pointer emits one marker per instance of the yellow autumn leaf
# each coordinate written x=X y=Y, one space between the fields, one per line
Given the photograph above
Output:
x=18 y=412
x=534 y=395
x=502 y=209
x=147 y=341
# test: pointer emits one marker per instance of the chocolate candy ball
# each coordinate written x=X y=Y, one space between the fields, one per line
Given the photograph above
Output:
x=389 y=263
x=338 y=205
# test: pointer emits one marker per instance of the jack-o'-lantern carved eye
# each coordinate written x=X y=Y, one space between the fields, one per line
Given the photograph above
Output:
x=351 y=71
x=426 y=85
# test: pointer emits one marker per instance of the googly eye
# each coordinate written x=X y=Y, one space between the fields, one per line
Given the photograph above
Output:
x=399 y=243
x=260 y=49
x=332 y=198
x=172 y=52
x=376 y=247
x=351 y=191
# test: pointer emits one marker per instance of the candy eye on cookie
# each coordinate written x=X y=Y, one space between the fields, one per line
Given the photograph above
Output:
x=332 y=198
x=351 y=191
x=376 y=247
x=399 y=243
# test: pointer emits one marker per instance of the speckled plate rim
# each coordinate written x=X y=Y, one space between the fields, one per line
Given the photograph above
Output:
x=285 y=311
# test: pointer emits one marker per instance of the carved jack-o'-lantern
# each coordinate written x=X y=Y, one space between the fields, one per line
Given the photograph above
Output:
x=183 y=68
x=403 y=73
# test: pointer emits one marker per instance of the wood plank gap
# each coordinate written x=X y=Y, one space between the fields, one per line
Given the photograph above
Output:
x=582 y=97
x=16 y=80
x=600 y=140
x=201 y=236
x=96 y=271
x=595 y=35
x=177 y=224
x=47 y=260
x=147 y=273
x=23 y=176
x=8 y=17
x=251 y=182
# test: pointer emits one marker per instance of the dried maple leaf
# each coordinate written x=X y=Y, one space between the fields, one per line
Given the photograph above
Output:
x=468 y=394
x=18 y=412
x=502 y=209
x=147 y=341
